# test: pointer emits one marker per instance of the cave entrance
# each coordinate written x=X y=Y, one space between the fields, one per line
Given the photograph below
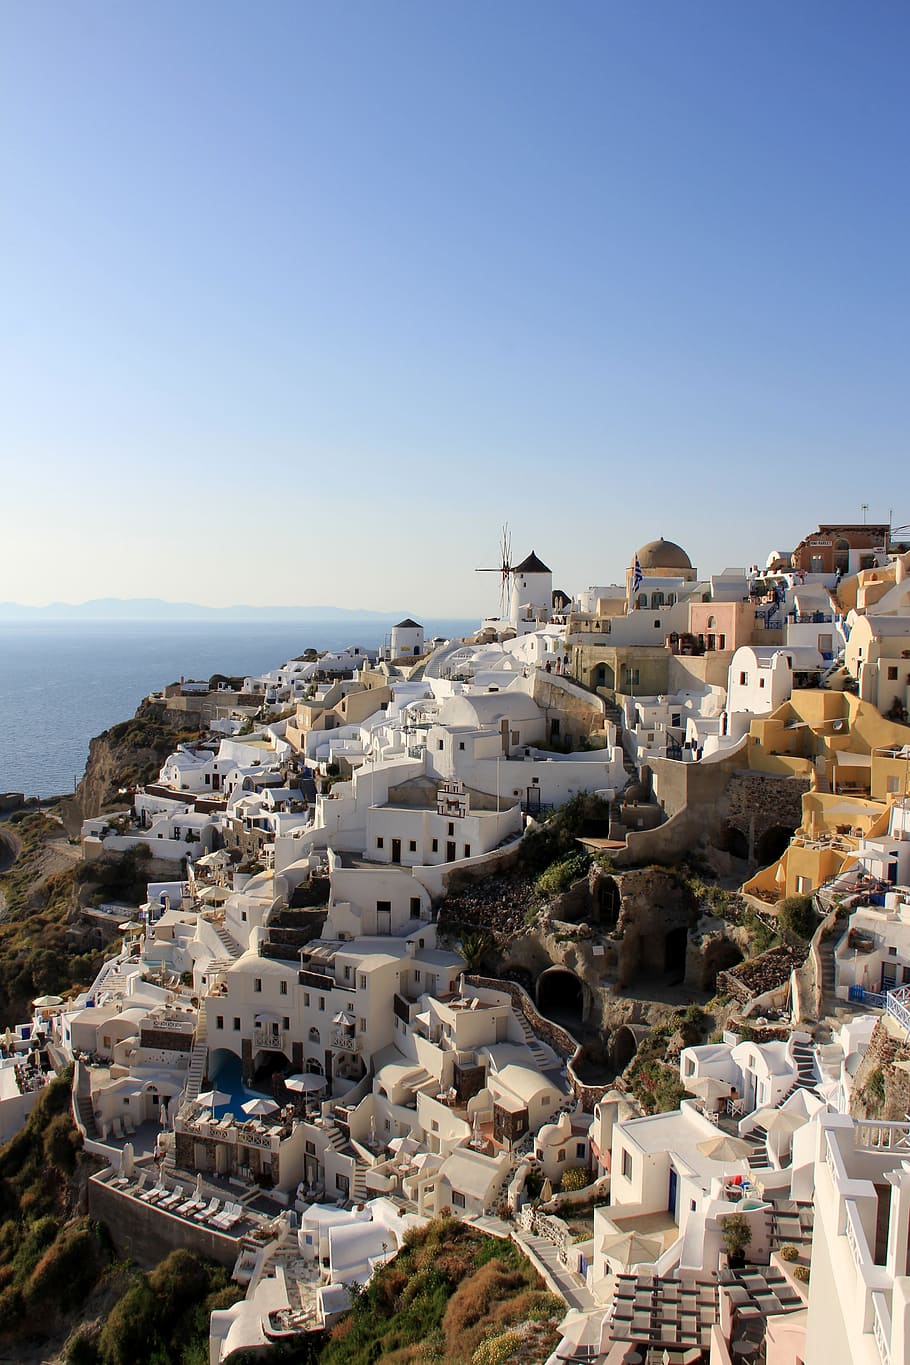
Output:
x=734 y=842
x=560 y=996
x=773 y=844
x=623 y=1047
x=266 y=1064
x=675 y=944
x=608 y=902
x=720 y=959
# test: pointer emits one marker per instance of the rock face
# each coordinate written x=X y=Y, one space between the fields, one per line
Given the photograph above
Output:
x=126 y=754
x=881 y=1086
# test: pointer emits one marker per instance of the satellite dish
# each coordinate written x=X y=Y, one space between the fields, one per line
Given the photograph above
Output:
x=838 y=725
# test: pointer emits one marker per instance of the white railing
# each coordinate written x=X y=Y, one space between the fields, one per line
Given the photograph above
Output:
x=881 y=1326
x=882 y=1135
x=343 y=1043
x=854 y=1232
x=269 y=1039
x=896 y=1004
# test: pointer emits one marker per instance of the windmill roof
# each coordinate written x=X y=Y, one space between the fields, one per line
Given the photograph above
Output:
x=531 y=565
x=408 y=624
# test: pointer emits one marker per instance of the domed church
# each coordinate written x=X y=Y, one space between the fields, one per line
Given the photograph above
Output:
x=661 y=559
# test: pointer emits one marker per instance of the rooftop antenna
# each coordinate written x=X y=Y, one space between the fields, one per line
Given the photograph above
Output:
x=505 y=568
x=865 y=509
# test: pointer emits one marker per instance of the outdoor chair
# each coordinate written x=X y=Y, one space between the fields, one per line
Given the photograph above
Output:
x=205 y=1214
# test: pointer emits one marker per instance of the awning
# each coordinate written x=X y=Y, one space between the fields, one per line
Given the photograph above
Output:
x=264 y=1017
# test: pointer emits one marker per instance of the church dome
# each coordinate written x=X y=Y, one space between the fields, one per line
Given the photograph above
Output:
x=663 y=554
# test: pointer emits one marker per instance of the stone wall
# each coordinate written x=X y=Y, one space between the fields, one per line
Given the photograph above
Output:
x=559 y=1039
x=759 y=802
x=146 y=1235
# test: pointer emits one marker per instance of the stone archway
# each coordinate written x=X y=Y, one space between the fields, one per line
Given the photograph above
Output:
x=561 y=997
x=623 y=1046
x=772 y=844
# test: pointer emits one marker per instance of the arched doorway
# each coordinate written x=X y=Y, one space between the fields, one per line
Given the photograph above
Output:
x=623 y=1047
x=560 y=996
x=773 y=844
x=608 y=902
x=603 y=676
x=675 y=944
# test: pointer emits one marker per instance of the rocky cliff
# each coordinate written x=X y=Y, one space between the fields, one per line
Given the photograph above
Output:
x=126 y=754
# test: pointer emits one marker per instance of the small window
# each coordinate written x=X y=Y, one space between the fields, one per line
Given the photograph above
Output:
x=322 y=1004
x=236 y=1024
x=580 y=1151
x=362 y=983
x=626 y=1164
x=457 y=1199
x=761 y=682
x=380 y=842
x=418 y=975
x=892 y=674
x=257 y=985
x=892 y=952
x=311 y=1149
x=412 y=845
x=415 y=906
x=347 y=970
x=282 y=988
x=461 y=744
x=467 y=850
x=561 y=1154
x=306 y=1000
x=894 y=784
x=744 y=680
x=440 y=744
x=435 y=845
x=363 y=1025
x=219 y=1021
x=451 y=827
x=286 y=1023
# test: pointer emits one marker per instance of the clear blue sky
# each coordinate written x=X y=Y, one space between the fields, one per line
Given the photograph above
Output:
x=302 y=301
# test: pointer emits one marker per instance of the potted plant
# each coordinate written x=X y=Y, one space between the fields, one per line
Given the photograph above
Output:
x=737 y=1234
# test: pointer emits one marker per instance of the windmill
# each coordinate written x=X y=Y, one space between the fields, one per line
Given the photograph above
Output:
x=504 y=570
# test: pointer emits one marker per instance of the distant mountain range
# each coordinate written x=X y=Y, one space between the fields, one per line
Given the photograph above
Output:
x=155 y=609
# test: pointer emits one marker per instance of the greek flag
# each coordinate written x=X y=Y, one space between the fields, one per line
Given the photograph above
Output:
x=636 y=575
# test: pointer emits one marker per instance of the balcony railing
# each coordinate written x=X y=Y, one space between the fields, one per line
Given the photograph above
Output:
x=270 y=1039
x=345 y=1042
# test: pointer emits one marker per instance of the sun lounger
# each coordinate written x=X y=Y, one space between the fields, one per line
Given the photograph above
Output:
x=230 y=1214
x=150 y=1196
x=190 y=1206
x=205 y=1214
x=175 y=1197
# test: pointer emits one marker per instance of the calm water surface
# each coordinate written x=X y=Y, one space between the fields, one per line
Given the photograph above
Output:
x=62 y=682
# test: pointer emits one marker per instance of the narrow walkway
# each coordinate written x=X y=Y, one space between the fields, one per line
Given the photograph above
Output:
x=544 y=1256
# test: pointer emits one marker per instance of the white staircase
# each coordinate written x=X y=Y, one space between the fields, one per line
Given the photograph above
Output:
x=232 y=947
x=199 y=1057
x=544 y=1057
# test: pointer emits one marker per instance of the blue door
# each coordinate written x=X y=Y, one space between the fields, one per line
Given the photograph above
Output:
x=671 y=1197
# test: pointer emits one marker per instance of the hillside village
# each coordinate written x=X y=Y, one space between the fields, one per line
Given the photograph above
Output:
x=591 y=931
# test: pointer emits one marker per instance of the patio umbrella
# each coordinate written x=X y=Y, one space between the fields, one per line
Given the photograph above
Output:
x=546 y=1192
x=631 y=1248
x=47 y=1002
x=709 y=1087
x=213 y=1098
x=129 y=926
x=781 y=1122
x=725 y=1148
x=304 y=1083
x=258 y=1108
x=127 y=1163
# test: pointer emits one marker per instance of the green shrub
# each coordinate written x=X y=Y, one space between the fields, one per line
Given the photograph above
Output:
x=789 y=1252
x=559 y=876
x=496 y=1349
x=575 y=1178
x=801 y=1273
x=797 y=918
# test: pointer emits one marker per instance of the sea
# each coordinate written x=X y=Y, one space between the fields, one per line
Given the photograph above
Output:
x=62 y=682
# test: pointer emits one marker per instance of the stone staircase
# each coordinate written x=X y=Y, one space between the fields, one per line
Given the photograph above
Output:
x=543 y=1055
x=807 y=1075
x=231 y=946
x=87 y=1115
x=758 y=1157
x=199 y=1057
x=829 y=978
x=359 y=1192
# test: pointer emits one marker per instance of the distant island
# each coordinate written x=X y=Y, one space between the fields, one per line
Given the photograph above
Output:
x=156 y=609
